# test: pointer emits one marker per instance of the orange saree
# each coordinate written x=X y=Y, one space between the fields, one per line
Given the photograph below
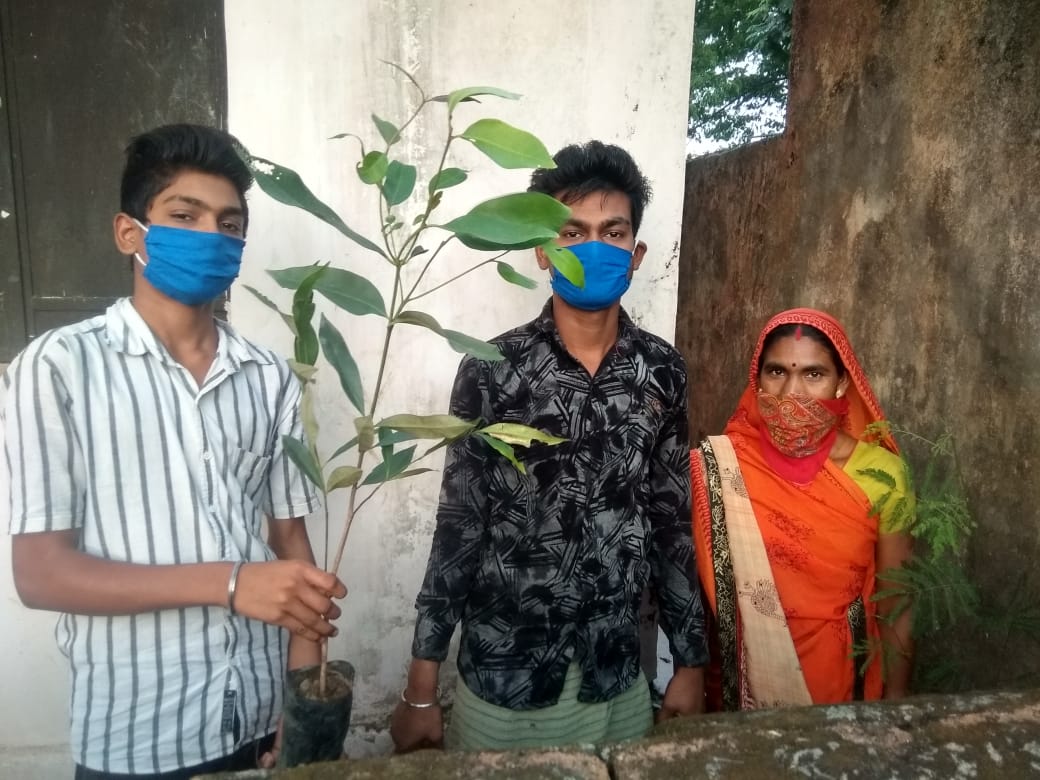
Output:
x=819 y=539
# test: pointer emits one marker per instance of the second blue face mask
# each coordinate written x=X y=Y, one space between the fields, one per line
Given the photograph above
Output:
x=606 y=276
x=190 y=266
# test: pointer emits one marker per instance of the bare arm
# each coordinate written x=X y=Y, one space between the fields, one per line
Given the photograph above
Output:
x=893 y=551
x=50 y=572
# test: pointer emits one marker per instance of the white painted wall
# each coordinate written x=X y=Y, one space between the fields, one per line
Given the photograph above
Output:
x=612 y=69
x=301 y=72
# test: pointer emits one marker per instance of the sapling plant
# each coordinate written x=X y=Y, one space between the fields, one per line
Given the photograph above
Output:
x=386 y=448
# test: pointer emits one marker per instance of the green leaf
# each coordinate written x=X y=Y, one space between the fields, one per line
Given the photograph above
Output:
x=304 y=372
x=310 y=421
x=391 y=467
x=517 y=221
x=503 y=449
x=460 y=342
x=428 y=426
x=511 y=275
x=879 y=475
x=286 y=186
x=372 y=167
x=399 y=182
x=522 y=435
x=286 y=318
x=346 y=289
x=459 y=95
x=449 y=177
x=508 y=146
x=566 y=262
x=306 y=344
x=342 y=448
x=337 y=353
x=300 y=454
x=411 y=473
x=388 y=437
x=366 y=433
x=387 y=130
x=343 y=476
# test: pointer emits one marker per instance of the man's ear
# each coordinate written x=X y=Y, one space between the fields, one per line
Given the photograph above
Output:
x=128 y=236
x=637 y=255
x=542 y=258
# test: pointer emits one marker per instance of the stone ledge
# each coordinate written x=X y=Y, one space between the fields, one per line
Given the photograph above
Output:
x=987 y=735
x=438 y=765
x=979 y=736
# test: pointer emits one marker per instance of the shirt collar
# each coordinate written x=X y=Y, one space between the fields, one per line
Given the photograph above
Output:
x=127 y=332
x=627 y=330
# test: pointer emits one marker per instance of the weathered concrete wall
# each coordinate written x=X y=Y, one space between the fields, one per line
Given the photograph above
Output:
x=902 y=198
x=982 y=736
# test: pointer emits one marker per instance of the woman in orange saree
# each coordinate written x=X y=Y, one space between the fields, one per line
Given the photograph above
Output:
x=788 y=544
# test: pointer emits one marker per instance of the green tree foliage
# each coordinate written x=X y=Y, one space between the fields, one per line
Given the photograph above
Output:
x=741 y=54
x=949 y=612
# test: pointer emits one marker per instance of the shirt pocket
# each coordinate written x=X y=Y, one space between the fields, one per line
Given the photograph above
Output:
x=249 y=471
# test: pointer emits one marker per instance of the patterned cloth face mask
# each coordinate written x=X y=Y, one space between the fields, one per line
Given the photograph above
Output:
x=606 y=276
x=190 y=266
x=800 y=425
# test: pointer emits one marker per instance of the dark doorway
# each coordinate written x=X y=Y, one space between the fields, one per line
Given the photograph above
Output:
x=78 y=78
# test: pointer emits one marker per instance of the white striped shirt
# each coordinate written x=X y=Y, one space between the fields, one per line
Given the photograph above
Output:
x=107 y=434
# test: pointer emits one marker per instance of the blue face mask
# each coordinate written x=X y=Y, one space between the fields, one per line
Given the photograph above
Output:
x=606 y=276
x=190 y=266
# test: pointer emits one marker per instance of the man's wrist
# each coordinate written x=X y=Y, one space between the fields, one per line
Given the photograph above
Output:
x=424 y=703
x=422 y=681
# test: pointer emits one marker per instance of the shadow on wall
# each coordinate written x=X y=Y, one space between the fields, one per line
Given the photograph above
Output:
x=901 y=198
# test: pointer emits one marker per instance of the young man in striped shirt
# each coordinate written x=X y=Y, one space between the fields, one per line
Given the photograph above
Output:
x=144 y=455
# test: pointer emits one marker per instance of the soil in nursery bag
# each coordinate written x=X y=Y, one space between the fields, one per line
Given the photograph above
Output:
x=313 y=728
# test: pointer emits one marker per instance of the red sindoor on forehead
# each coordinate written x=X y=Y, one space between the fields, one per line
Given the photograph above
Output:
x=798 y=333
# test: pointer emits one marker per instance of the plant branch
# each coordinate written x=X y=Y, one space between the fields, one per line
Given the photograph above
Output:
x=414 y=237
x=425 y=268
x=377 y=488
x=458 y=276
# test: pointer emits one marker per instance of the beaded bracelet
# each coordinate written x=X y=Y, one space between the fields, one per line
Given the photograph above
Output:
x=425 y=705
x=232 y=585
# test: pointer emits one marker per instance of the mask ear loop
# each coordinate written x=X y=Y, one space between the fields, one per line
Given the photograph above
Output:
x=144 y=228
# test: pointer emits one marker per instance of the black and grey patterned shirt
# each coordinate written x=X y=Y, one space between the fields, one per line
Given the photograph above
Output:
x=547 y=568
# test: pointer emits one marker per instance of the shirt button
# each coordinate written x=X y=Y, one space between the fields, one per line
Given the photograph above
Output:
x=206 y=455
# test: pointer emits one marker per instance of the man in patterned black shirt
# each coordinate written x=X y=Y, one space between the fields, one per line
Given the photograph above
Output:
x=545 y=569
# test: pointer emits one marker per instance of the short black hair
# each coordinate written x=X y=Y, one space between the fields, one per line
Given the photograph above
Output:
x=155 y=158
x=811 y=333
x=582 y=169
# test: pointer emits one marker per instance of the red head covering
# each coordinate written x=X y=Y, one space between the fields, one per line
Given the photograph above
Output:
x=863 y=407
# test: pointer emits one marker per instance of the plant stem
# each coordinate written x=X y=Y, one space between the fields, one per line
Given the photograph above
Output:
x=414 y=237
x=323 y=671
x=349 y=520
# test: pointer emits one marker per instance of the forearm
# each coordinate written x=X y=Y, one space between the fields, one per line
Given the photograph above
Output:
x=64 y=579
x=679 y=596
x=288 y=539
x=898 y=645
